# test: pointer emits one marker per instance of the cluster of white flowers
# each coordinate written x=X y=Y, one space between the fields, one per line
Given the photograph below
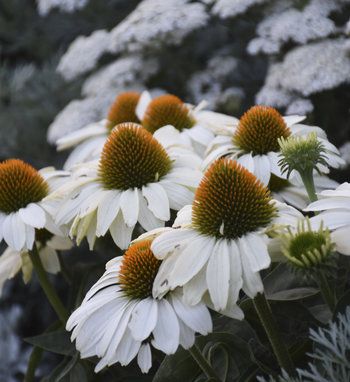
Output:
x=234 y=200
x=324 y=65
x=45 y=6
x=290 y=24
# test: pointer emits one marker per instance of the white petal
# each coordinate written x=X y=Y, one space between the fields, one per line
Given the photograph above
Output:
x=158 y=201
x=14 y=231
x=167 y=331
x=50 y=260
x=143 y=319
x=184 y=216
x=33 y=215
x=178 y=195
x=30 y=236
x=187 y=336
x=218 y=275
x=144 y=358
x=161 y=282
x=142 y=105
x=146 y=218
x=126 y=351
x=195 y=317
x=107 y=211
x=129 y=204
x=262 y=168
x=164 y=244
x=252 y=284
x=81 y=135
x=256 y=252
x=332 y=219
x=167 y=136
x=194 y=290
x=120 y=232
x=191 y=260
x=247 y=161
x=293 y=119
x=341 y=238
x=10 y=264
x=330 y=203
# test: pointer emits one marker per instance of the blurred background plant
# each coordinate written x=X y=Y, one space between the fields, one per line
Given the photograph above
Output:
x=62 y=62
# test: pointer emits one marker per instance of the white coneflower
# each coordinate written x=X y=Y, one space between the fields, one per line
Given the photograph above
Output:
x=136 y=180
x=197 y=126
x=22 y=209
x=119 y=319
x=221 y=245
x=12 y=261
x=333 y=209
x=255 y=142
x=88 y=141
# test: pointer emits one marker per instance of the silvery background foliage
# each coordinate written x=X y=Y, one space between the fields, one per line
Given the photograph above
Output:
x=62 y=62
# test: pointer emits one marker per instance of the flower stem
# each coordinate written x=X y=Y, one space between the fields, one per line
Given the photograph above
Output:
x=308 y=180
x=203 y=363
x=326 y=291
x=48 y=289
x=263 y=309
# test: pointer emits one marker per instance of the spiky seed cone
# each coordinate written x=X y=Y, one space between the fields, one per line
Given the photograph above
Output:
x=231 y=202
x=20 y=185
x=123 y=109
x=132 y=158
x=259 y=129
x=138 y=270
x=167 y=110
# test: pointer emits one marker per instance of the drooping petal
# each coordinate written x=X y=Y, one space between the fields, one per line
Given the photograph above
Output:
x=129 y=204
x=158 y=201
x=33 y=215
x=144 y=358
x=218 y=275
x=167 y=331
x=143 y=319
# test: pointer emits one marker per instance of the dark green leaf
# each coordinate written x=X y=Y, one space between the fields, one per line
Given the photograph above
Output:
x=179 y=367
x=282 y=285
x=55 y=342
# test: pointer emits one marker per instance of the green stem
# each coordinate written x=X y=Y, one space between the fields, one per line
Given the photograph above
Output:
x=203 y=363
x=326 y=291
x=308 y=180
x=47 y=287
x=263 y=309
x=33 y=363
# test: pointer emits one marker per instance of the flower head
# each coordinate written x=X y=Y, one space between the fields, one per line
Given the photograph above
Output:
x=255 y=142
x=22 y=207
x=333 y=210
x=302 y=154
x=219 y=244
x=259 y=129
x=124 y=303
x=231 y=202
x=138 y=270
x=307 y=249
x=20 y=185
x=167 y=110
x=138 y=179
x=132 y=158
x=88 y=142
x=123 y=109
